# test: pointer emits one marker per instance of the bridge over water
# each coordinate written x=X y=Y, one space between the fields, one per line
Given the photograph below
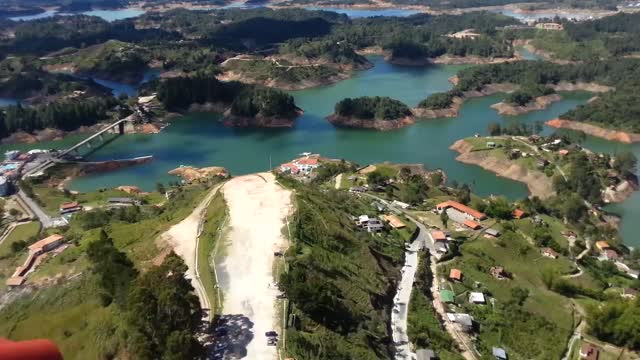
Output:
x=116 y=126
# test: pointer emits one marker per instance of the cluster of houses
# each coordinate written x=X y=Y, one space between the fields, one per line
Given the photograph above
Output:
x=607 y=252
x=37 y=251
x=70 y=207
x=465 y=322
x=12 y=166
x=375 y=225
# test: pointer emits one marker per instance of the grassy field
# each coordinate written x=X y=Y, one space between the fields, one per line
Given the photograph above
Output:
x=20 y=232
x=211 y=233
x=549 y=311
x=70 y=313
x=563 y=47
x=529 y=162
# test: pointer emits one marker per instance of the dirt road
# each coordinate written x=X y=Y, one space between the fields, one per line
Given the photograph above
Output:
x=258 y=208
x=183 y=238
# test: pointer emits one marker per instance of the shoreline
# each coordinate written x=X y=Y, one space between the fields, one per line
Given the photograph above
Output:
x=537 y=104
x=537 y=182
x=372 y=124
x=342 y=72
x=594 y=130
x=491 y=89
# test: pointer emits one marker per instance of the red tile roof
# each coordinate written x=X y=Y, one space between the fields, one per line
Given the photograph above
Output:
x=438 y=235
x=518 y=214
x=69 y=205
x=291 y=166
x=455 y=274
x=39 y=349
x=462 y=208
x=310 y=161
x=37 y=246
x=472 y=224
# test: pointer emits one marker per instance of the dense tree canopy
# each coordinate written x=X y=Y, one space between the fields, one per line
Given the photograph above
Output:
x=369 y=108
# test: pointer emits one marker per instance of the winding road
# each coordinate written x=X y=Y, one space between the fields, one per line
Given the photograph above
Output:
x=183 y=238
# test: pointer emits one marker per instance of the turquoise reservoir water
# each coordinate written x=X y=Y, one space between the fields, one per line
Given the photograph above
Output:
x=109 y=15
x=200 y=140
x=361 y=13
x=118 y=88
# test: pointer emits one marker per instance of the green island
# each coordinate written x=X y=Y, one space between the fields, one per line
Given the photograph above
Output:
x=380 y=113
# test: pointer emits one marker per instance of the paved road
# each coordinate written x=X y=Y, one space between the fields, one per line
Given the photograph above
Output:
x=461 y=339
x=401 y=303
x=46 y=220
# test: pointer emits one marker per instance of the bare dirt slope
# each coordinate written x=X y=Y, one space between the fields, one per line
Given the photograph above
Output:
x=258 y=208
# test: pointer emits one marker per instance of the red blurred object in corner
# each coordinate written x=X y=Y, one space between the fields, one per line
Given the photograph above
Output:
x=38 y=349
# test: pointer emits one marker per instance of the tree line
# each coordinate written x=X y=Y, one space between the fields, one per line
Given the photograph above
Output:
x=245 y=100
x=65 y=115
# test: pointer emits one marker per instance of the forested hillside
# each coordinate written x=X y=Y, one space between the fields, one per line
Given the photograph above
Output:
x=616 y=109
x=349 y=275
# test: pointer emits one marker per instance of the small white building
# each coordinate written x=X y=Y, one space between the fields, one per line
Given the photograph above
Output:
x=477 y=298
x=4 y=186
x=11 y=155
x=401 y=204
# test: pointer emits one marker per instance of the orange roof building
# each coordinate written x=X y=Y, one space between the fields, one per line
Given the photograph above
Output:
x=309 y=162
x=602 y=245
x=46 y=244
x=438 y=236
x=455 y=275
x=472 y=225
x=394 y=221
x=475 y=214
x=518 y=214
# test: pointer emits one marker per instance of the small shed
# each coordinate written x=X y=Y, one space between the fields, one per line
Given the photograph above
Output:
x=549 y=252
x=477 y=298
x=426 y=354
x=455 y=275
x=499 y=353
x=492 y=232
x=446 y=296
